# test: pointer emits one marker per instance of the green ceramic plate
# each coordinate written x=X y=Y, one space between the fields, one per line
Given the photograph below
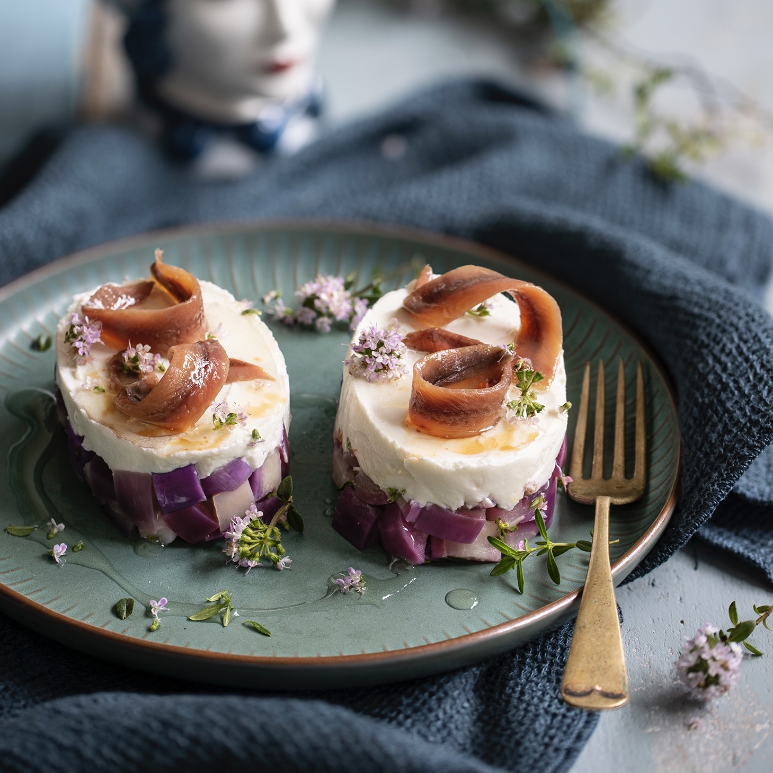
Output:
x=411 y=621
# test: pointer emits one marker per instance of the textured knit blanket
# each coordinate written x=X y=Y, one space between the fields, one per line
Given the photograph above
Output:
x=681 y=264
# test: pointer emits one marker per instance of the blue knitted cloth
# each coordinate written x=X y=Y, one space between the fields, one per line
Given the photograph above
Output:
x=681 y=264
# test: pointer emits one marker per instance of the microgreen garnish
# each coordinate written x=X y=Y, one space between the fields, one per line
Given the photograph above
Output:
x=710 y=662
x=526 y=405
x=565 y=407
x=256 y=438
x=219 y=603
x=161 y=367
x=41 y=344
x=124 y=608
x=78 y=546
x=138 y=359
x=484 y=310
x=155 y=608
x=57 y=553
x=54 y=528
x=379 y=355
x=20 y=531
x=257 y=627
x=354 y=581
x=82 y=335
x=513 y=558
x=249 y=539
x=222 y=416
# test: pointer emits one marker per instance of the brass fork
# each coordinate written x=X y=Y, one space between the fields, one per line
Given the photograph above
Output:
x=595 y=675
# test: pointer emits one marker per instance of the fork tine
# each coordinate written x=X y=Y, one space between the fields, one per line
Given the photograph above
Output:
x=578 y=448
x=639 y=472
x=618 y=464
x=597 y=471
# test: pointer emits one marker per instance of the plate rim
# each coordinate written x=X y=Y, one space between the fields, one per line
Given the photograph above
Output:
x=501 y=632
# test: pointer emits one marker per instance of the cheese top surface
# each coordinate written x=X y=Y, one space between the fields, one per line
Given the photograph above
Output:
x=500 y=464
x=128 y=444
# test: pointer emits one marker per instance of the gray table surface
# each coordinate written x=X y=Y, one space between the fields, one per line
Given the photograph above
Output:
x=373 y=55
x=660 y=729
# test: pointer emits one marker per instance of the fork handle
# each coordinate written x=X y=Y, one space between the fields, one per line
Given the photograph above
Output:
x=595 y=675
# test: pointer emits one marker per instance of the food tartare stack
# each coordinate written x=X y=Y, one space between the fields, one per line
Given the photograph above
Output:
x=176 y=401
x=452 y=419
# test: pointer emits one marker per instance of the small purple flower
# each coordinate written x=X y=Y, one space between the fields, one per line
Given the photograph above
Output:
x=272 y=295
x=247 y=563
x=57 y=553
x=353 y=581
x=378 y=355
x=563 y=480
x=283 y=314
x=323 y=324
x=709 y=667
x=82 y=335
x=284 y=563
x=360 y=309
x=158 y=606
x=138 y=359
x=306 y=316
x=238 y=525
x=54 y=528
x=217 y=333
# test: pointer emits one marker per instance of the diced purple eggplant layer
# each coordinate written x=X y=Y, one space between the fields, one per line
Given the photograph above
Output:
x=419 y=533
x=178 y=504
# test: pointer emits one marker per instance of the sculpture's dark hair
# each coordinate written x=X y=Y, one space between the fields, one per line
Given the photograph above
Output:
x=146 y=46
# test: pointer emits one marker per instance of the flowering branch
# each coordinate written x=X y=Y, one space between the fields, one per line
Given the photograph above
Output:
x=378 y=355
x=250 y=539
x=710 y=662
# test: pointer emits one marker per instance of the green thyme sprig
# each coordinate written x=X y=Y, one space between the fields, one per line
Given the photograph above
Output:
x=221 y=603
x=480 y=311
x=513 y=558
x=230 y=420
x=744 y=629
x=526 y=405
x=257 y=627
x=370 y=293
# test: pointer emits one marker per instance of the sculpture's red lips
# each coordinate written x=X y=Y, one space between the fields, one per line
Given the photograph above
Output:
x=280 y=65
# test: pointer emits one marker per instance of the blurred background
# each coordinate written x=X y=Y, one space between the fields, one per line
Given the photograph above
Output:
x=686 y=82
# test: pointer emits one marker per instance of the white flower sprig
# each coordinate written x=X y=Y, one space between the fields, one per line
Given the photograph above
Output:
x=710 y=663
x=57 y=553
x=325 y=300
x=139 y=359
x=54 y=528
x=354 y=581
x=155 y=608
x=82 y=335
x=379 y=355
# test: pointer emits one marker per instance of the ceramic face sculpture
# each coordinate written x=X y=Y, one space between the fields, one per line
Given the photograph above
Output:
x=245 y=66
